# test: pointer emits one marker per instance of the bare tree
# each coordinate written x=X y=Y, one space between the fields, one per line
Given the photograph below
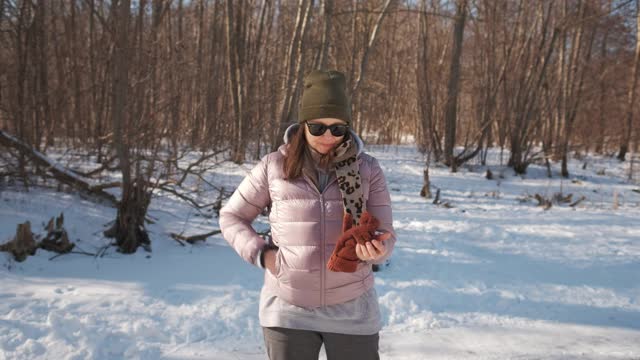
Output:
x=222 y=77
x=633 y=83
x=428 y=67
x=573 y=79
x=355 y=90
x=234 y=44
x=536 y=46
x=293 y=68
x=128 y=229
x=327 y=17
x=451 y=107
x=602 y=86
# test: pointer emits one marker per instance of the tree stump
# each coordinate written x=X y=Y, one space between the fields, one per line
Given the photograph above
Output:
x=489 y=175
x=57 y=239
x=23 y=244
x=436 y=201
x=128 y=229
x=426 y=187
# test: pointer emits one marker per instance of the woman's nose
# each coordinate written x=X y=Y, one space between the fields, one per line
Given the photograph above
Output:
x=327 y=134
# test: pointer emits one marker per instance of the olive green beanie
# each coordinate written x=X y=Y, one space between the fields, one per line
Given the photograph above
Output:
x=325 y=96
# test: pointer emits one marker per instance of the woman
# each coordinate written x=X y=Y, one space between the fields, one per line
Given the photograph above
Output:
x=330 y=221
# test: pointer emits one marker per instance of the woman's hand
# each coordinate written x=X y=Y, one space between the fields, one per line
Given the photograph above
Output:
x=270 y=260
x=374 y=249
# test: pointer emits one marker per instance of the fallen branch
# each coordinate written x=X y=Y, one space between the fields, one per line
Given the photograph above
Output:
x=560 y=198
x=60 y=173
x=177 y=240
x=201 y=237
x=101 y=187
x=103 y=250
x=105 y=166
x=73 y=252
x=194 y=238
x=544 y=202
x=575 y=203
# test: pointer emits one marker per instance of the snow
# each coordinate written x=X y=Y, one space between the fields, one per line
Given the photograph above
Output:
x=492 y=277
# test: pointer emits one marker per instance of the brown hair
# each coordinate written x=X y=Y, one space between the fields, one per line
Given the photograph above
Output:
x=296 y=152
x=294 y=157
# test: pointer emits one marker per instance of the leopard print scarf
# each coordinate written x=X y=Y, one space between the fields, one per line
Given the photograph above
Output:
x=349 y=179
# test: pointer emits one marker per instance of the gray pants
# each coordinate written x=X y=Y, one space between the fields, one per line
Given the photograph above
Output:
x=292 y=344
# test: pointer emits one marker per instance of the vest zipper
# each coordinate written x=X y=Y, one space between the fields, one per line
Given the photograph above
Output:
x=322 y=240
x=322 y=243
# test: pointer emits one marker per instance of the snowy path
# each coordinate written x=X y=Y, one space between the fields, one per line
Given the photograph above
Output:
x=491 y=278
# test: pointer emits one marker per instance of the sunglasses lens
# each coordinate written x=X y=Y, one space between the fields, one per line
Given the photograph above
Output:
x=316 y=129
x=338 y=130
x=319 y=129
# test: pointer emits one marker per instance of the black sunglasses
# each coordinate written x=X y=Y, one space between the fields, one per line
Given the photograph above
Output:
x=319 y=129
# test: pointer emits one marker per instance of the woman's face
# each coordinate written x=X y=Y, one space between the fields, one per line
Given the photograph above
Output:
x=325 y=142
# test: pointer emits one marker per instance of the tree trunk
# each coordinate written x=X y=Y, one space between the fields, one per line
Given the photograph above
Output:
x=603 y=86
x=235 y=78
x=451 y=106
x=580 y=57
x=292 y=69
x=355 y=92
x=23 y=244
x=212 y=114
x=633 y=82
x=128 y=229
x=327 y=10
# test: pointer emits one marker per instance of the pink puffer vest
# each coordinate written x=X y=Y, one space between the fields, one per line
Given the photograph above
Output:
x=305 y=225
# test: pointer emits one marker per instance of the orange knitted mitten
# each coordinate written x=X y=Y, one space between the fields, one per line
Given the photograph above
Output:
x=344 y=258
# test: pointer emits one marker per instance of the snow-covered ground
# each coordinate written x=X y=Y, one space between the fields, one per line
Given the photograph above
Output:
x=492 y=277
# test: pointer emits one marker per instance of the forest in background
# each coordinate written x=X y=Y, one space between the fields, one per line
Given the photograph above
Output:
x=136 y=85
